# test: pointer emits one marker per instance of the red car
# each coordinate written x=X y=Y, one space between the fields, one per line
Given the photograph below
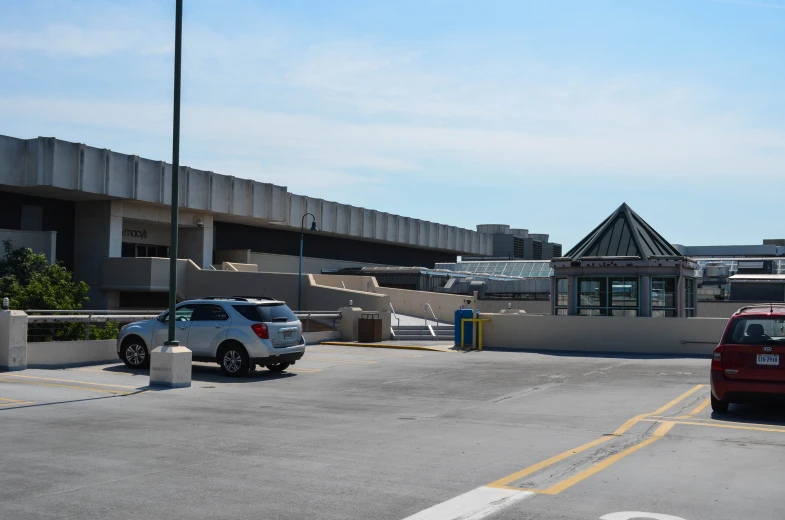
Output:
x=749 y=362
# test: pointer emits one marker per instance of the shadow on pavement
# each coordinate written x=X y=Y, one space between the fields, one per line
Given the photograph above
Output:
x=205 y=373
x=769 y=412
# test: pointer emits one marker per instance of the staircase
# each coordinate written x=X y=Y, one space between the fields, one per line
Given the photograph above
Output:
x=441 y=332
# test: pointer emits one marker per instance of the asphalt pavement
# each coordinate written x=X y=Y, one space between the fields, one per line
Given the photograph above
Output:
x=389 y=434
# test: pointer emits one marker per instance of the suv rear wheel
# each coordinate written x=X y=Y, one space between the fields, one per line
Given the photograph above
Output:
x=134 y=353
x=234 y=360
x=719 y=406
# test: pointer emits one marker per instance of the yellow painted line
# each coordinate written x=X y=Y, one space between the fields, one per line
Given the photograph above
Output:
x=70 y=381
x=386 y=345
x=755 y=427
x=5 y=401
x=377 y=353
x=36 y=383
x=662 y=409
x=698 y=409
x=502 y=482
x=607 y=462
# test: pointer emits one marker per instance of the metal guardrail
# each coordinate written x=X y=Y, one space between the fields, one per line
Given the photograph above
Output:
x=319 y=317
x=76 y=327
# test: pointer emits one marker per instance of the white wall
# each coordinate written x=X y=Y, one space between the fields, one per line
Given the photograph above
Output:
x=290 y=264
x=43 y=242
x=70 y=353
x=687 y=336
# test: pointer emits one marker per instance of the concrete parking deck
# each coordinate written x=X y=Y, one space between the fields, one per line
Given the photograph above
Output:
x=355 y=433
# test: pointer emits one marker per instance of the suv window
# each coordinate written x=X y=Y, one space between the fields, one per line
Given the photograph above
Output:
x=277 y=313
x=248 y=312
x=209 y=313
x=267 y=313
x=181 y=313
x=756 y=330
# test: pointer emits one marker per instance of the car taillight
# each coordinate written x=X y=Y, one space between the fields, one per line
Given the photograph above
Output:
x=261 y=330
x=716 y=360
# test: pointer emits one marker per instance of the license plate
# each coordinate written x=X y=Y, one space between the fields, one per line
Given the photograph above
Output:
x=768 y=359
x=289 y=334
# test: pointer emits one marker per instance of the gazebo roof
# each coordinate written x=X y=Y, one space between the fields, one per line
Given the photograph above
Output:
x=623 y=234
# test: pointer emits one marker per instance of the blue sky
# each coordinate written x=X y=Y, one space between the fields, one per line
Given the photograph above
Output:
x=545 y=115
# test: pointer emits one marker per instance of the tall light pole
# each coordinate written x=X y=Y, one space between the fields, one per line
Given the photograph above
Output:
x=300 y=278
x=170 y=364
x=178 y=49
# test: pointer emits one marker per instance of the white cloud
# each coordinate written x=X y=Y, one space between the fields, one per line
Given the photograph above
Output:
x=66 y=39
x=278 y=101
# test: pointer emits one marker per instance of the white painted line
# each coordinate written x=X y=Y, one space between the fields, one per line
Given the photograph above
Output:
x=474 y=505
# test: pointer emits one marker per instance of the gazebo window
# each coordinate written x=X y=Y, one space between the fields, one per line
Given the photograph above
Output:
x=595 y=298
x=689 y=297
x=562 y=296
x=663 y=297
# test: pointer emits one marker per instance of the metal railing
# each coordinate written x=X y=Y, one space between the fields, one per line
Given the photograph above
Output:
x=318 y=318
x=55 y=325
x=436 y=322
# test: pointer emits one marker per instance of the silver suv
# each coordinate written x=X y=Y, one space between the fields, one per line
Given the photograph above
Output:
x=237 y=333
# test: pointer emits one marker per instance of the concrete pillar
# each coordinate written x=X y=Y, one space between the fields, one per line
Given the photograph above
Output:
x=386 y=317
x=553 y=295
x=196 y=242
x=645 y=295
x=13 y=340
x=98 y=234
x=572 y=297
x=349 y=326
x=680 y=295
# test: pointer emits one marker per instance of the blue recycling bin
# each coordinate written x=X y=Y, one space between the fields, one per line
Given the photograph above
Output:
x=468 y=328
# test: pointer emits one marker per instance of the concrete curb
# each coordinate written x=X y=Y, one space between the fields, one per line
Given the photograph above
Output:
x=384 y=345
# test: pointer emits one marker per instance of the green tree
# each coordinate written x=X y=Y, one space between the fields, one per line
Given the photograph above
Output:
x=31 y=282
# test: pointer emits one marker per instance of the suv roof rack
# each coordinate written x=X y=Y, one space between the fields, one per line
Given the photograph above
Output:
x=239 y=298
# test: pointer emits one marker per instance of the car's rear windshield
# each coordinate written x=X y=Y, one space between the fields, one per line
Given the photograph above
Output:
x=279 y=312
x=756 y=330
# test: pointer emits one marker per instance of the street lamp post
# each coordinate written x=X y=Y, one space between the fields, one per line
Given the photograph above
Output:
x=178 y=49
x=300 y=278
x=170 y=364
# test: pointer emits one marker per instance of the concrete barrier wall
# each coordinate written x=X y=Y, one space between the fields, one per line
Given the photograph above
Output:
x=53 y=354
x=314 y=338
x=291 y=264
x=530 y=306
x=720 y=309
x=355 y=283
x=42 y=242
x=686 y=336
x=412 y=303
x=236 y=266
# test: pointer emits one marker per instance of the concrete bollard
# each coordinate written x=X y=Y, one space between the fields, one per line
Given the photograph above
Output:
x=170 y=366
x=13 y=340
x=350 y=316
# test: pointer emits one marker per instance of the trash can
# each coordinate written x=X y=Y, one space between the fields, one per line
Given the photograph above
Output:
x=369 y=328
x=468 y=329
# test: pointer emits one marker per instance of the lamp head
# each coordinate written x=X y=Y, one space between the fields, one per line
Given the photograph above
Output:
x=314 y=227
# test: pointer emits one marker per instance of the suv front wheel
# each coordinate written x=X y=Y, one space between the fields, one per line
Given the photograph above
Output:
x=134 y=353
x=234 y=360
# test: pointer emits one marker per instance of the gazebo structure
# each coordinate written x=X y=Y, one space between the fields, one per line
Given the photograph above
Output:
x=623 y=268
